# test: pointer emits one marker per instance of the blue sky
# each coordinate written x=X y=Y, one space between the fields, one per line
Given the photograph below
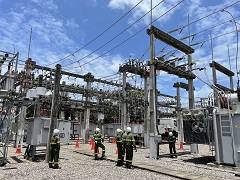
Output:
x=61 y=29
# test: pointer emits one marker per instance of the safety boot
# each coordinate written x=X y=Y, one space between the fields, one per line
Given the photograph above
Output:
x=119 y=163
x=56 y=166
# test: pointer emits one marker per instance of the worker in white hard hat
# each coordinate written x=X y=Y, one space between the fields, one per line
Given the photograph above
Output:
x=98 y=140
x=129 y=144
x=54 y=150
x=171 y=142
x=119 y=142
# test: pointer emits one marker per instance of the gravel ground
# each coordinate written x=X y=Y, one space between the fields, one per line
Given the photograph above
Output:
x=78 y=166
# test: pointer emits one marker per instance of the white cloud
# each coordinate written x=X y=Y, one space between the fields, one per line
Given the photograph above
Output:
x=72 y=23
x=46 y=4
x=144 y=7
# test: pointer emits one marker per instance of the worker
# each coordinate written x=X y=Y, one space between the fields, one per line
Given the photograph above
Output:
x=98 y=140
x=54 y=150
x=129 y=144
x=171 y=142
x=120 y=147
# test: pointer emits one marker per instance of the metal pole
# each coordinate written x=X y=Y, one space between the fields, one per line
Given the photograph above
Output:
x=54 y=109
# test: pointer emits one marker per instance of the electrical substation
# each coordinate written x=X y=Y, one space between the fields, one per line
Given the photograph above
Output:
x=38 y=99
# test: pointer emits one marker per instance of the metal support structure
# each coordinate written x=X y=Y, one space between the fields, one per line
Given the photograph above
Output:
x=87 y=116
x=146 y=114
x=216 y=66
x=190 y=84
x=179 y=118
x=54 y=109
x=152 y=102
x=20 y=125
x=5 y=129
x=26 y=84
x=155 y=32
x=7 y=93
x=88 y=78
x=37 y=106
x=214 y=73
x=124 y=104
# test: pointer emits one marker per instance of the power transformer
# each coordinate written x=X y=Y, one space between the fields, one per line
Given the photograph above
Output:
x=198 y=126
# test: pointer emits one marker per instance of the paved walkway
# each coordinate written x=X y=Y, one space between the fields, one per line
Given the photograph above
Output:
x=161 y=170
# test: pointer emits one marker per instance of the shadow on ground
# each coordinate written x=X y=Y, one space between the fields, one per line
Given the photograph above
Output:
x=201 y=160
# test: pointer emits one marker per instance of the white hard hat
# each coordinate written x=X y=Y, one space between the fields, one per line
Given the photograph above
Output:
x=97 y=130
x=55 y=131
x=129 y=129
x=170 y=133
x=119 y=130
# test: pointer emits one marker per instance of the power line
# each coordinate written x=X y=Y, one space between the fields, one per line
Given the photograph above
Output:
x=181 y=28
x=109 y=76
x=145 y=52
x=202 y=42
x=100 y=33
x=147 y=26
x=116 y=35
x=132 y=35
x=193 y=35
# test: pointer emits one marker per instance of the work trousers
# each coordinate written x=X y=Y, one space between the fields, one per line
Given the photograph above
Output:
x=99 y=145
x=172 y=149
x=54 y=156
x=129 y=155
x=121 y=152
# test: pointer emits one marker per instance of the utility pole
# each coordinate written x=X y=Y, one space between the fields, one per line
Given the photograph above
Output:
x=152 y=102
x=146 y=114
x=88 y=78
x=54 y=109
x=124 y=105
x=179 y=117
x=190 y=84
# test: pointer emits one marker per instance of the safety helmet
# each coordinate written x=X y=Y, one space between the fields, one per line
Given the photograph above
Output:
x=129 y=129
x=119 y=130
x=55 y=131
x=170 y=133
x=97 y=130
